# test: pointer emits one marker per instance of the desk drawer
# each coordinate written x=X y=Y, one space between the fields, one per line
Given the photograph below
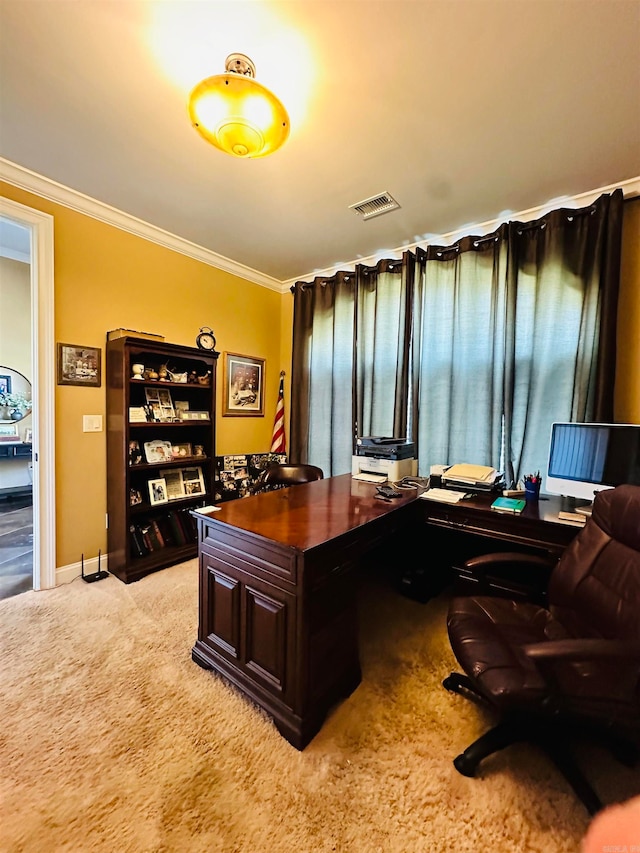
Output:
x=504 y=527
x=248 y=553
x=335 y=558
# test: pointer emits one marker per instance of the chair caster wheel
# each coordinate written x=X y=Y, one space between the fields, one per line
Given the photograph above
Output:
x=464 y=766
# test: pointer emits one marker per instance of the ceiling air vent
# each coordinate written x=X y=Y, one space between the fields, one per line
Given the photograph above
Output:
x=378 y=204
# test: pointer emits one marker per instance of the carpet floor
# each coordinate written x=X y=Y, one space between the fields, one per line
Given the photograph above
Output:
x=114 y=740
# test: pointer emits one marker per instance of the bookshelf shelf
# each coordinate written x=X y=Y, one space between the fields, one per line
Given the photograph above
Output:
x=147 y=530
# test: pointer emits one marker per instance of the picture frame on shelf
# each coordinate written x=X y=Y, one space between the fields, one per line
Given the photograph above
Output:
x=8 y=432
x=174 y=484
x=135 y=454
x=157 y=451
x=28 y=435
x=180 y=451
x=243 y=385
x=79 y=365
x=135 y=497
x=137 y=415
x=192 y=415
x=159 y=399
x=158 y=492
x=193 y=481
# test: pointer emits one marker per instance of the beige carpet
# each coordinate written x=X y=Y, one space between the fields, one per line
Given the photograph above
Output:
x=114 y=740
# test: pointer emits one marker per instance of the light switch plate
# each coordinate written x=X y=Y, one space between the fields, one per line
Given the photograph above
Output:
x=92 y=423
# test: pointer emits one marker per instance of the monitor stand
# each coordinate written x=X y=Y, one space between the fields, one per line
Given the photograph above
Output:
x=579 y=505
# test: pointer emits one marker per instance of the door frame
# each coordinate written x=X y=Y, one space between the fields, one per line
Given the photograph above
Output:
x=43 y=384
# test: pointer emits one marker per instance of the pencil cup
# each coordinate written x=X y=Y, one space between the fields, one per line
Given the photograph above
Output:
x=531 y=490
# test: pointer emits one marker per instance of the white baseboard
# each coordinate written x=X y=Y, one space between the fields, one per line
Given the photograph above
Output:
x=65 y=574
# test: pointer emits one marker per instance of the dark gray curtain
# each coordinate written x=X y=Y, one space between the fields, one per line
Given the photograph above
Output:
x=322 y=375
x=350 y=363
x=472 y=350
x=564 y=272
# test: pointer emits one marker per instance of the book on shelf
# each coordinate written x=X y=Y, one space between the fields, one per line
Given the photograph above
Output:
x=114 y=334
x=512 y=505
x=174 y=528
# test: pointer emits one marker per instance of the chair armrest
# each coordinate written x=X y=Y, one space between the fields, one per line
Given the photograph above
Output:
x=591 y=660
x=583 y=648
x=484 y=562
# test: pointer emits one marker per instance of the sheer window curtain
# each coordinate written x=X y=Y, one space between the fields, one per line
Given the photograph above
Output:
x=564 y=273
x=459 y=351
x=383 y=337
x=350 y=363
x=471 y=350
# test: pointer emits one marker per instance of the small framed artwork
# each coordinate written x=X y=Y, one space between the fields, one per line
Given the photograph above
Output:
x=158 y=492
x=8 y=432
x=79 y=365
x=243 y=385
x=5 y=384
x=28 y=435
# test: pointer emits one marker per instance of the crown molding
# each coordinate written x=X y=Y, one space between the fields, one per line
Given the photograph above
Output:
x=630 y=189
x=30 y=181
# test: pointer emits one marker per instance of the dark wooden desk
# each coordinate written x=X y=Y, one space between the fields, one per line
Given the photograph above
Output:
x=277 y=594
x=471 y=527
x=277 y=597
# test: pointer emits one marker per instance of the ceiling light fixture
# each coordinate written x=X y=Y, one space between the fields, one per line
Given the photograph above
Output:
x=236 y=113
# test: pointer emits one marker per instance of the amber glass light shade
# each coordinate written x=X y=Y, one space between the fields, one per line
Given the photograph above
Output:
x=238 y=115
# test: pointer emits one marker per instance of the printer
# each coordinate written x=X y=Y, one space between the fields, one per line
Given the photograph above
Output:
x=380 y=447
x=379 y=459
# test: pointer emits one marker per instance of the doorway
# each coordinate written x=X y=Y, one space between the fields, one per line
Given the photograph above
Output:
x=39 y=227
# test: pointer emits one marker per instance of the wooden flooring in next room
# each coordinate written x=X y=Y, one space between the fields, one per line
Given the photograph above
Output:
x=16 y=545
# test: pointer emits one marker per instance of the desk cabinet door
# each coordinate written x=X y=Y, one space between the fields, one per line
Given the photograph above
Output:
x=251 y=624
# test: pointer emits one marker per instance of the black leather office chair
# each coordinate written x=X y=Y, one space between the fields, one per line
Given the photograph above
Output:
x=571 y=668
x=280 y=476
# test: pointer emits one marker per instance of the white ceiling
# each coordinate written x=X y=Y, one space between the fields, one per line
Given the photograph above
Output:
x=463 y=110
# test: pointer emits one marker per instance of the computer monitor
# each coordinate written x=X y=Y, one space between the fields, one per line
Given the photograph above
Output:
x=586 y=458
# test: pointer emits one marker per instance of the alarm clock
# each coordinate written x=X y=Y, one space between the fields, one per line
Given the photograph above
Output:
x=206 y=339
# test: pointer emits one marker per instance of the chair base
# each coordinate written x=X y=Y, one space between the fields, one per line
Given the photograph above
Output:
x=551 y=734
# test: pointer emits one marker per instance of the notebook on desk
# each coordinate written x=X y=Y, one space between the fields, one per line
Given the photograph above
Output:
x=447 y=496
x=512 y=505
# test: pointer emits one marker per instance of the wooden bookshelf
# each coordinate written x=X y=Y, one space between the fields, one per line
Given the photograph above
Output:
x=150 y=526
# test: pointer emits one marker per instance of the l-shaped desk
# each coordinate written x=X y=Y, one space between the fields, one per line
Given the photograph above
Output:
x=277 y=595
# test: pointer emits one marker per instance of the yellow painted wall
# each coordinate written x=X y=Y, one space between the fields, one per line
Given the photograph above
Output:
x=627 y=391
x=106 y=278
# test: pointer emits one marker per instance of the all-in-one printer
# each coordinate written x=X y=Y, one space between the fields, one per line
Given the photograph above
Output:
x=378 y=459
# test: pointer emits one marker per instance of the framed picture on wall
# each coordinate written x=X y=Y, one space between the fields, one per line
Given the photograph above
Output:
x=79 y=365
x=243 y=385
x=5 y=384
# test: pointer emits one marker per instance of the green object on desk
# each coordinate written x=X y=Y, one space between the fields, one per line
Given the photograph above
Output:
x=514 y=505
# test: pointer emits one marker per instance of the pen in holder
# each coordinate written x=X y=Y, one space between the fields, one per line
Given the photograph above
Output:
x=532 y=487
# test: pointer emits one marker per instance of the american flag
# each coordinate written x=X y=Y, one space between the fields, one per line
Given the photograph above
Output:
x=278 y=440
